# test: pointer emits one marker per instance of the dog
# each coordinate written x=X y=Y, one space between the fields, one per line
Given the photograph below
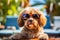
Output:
x=32 y=20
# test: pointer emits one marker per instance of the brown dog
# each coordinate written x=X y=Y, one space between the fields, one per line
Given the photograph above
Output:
x=32 y=21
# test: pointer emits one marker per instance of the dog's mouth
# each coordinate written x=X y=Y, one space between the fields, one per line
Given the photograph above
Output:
x=30 y=26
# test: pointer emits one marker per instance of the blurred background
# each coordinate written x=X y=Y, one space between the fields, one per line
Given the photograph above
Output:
x=10 y=10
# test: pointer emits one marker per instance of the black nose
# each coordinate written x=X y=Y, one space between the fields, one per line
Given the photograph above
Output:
x=30 y=20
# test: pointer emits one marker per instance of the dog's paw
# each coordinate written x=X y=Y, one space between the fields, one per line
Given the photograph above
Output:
x=42 y=39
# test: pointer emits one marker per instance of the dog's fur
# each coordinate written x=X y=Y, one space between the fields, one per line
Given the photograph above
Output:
x=35 y=30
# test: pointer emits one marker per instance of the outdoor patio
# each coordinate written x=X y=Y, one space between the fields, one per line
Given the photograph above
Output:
x=10 y=10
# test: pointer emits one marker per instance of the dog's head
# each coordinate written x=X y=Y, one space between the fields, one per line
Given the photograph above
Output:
x=31 y=18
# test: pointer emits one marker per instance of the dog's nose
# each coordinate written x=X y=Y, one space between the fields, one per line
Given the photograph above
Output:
x=30 y=20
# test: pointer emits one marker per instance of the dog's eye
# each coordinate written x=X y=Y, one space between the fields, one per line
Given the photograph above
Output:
x=36 y=16
x=26 y=16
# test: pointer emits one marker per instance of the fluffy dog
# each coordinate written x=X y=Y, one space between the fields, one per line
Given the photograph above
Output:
x=32 y=20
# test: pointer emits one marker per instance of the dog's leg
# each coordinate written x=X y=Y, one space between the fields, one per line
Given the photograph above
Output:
x=15 y=36
x=43 y=37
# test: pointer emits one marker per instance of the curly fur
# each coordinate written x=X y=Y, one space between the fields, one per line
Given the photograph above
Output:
x=33 y=32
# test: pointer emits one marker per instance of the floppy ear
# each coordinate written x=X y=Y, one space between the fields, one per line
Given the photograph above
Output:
x=20 y=20
x=42 y=20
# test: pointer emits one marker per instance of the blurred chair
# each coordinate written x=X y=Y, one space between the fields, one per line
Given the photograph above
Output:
x=48 y=24
x=11 y=21
x=56 y=22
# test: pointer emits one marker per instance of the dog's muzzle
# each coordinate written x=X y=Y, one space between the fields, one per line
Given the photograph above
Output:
x=30 y=21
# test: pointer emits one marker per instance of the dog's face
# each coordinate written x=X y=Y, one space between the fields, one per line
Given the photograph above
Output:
x=31 y=18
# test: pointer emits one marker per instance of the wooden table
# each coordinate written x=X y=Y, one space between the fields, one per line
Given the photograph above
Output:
x=53 y=38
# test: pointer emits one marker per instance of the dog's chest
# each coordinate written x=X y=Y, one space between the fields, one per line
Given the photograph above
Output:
x=31 y=35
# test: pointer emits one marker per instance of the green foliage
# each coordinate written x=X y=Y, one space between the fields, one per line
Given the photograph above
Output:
x=9 y=7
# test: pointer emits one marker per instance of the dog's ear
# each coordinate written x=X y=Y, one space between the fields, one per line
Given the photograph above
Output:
x=42 y=20
x=20 y=20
